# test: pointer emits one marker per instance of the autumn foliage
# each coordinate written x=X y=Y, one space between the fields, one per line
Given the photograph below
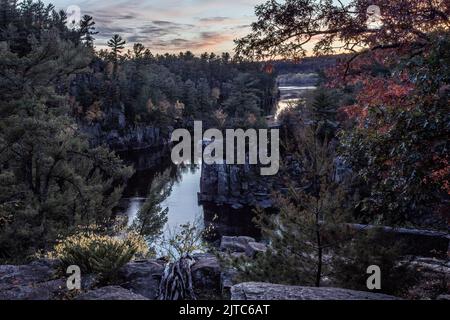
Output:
x=395 y=123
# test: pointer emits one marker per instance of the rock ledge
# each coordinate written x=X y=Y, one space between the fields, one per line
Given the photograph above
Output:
x=267 y=291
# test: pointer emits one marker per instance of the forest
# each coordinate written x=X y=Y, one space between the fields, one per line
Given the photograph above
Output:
x=364 y=177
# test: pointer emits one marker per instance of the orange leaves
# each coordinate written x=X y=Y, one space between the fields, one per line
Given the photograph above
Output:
x=384 y=92
x=441 y=175
x=352 y=112
x=374 y=83
x=94 y=113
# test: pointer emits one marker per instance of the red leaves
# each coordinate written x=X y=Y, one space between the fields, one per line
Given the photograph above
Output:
x=375 y=85
x=268 y=68
x=382 y=92
x=352 y=112
x=441 y=174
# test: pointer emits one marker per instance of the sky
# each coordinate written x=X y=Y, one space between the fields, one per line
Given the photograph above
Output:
x=169 y=25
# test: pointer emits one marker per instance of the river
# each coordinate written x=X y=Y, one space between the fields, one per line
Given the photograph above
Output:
x=183 y=201
x=289 y=96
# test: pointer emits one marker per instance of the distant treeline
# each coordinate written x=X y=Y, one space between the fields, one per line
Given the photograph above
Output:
x=307 y=65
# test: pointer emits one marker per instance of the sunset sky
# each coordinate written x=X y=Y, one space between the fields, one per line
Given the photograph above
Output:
x=170 y=25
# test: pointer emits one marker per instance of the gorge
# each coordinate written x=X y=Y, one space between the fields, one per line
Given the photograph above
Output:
x=224 y=195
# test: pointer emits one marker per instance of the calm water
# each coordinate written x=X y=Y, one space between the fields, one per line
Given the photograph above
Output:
x=183 y=201
x=290 y=96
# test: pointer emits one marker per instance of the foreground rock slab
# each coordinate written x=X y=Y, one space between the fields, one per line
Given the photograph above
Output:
x=29 y=282
x=267 y=291
x=142 y=277
x=110 y=293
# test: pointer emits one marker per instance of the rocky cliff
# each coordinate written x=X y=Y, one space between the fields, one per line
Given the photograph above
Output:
x=127 y=138
x=236 y=185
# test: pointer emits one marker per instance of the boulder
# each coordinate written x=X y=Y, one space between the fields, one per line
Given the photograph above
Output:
x=235 y=244
x=267 y=291
x=35 y=281
x=110 y=293
x=227 y=281
x=48 y=290
x=254 y=248
x=142 y=277
x=206 y=272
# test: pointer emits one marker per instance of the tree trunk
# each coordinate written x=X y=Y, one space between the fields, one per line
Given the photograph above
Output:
x=176 y=283
x=319 y=252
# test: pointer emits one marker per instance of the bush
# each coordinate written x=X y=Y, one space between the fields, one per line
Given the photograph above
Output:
x=373 y=247
x=99 y=254
x=185 y=240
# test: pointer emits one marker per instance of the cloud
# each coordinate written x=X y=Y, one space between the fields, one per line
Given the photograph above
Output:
x=172 y=24
x=205 y=41
x=169 y=25
x=214 y=19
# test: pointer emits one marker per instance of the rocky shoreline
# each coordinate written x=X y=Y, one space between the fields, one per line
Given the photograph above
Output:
x=140 y=280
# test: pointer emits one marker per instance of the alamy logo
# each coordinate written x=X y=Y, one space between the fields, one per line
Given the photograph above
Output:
x=242 y=147
x=74 y=279
x=374 y=17
x=73 y=13
x=374 y=281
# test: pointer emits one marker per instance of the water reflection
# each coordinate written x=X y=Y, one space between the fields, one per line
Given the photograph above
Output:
x=182 y=202
x=290 y=95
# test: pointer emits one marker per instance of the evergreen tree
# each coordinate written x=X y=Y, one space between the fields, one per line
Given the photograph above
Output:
x=87 y=30
x=8 y=12
x=152 y=217
x=204 y=95
x=190 y=98
x=323 y=111
x=138 y=50
x=117 y=44
x=304 y=230
x=51 y=181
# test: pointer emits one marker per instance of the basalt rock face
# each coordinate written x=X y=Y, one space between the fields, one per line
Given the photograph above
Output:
x=432 y=278
x=206 y=271
x=235 y=185
x=267 y=291
x=243 y=185
x=242 y=245
x=126 y=138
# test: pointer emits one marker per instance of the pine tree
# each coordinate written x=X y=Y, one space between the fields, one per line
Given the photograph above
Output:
x=190 y=98
x=302 y=233
x=323 y=110
x=50 y=179
x=87 y=30
x=152 y=217
x=8 y=12
x=117 y=44
x=138 y=50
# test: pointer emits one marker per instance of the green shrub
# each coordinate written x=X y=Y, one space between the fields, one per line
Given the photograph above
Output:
x=99 y=254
